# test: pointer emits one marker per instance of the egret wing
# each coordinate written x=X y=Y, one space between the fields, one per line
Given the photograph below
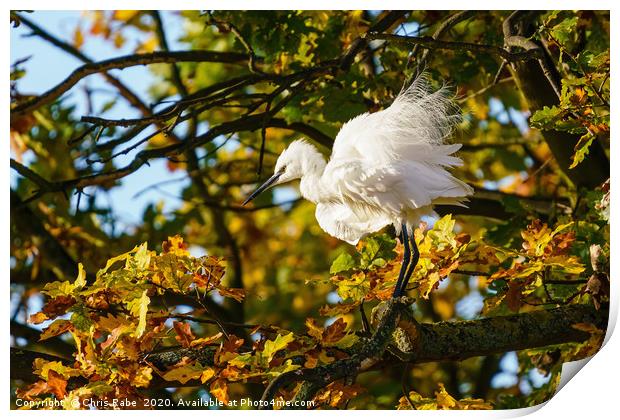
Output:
x=340 y=221
x=414 y=127
x=393 y=190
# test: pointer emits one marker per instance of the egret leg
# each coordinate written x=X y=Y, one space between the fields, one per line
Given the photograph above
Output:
x=405 y=263
x=415 y=257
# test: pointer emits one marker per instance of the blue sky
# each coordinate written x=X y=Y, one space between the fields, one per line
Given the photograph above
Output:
x=49 y=65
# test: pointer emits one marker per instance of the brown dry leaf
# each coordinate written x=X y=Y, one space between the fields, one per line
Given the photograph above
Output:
x=60 y=326
x=236 y=294
x=37 y=388
x=37 y=318
x=184 y=333
x=514 y=294
x=58 y=306
x=334 y=332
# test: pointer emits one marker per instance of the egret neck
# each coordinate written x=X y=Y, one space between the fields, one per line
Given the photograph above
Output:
x=313 y=165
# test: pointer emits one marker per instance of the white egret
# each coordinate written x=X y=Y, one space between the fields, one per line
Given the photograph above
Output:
x=387 y=167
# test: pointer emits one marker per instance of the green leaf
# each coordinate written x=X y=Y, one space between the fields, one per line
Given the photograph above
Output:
x=341 y=106
x=582 y=148
x=66 y=288
x=80 y=318
x=356 y=288
x=343 y=262
x=564 y=32
x=346 y=341
x=442 y=234
x=142 y=258
x=546 y=117
x=111 y=261
x=272 y=347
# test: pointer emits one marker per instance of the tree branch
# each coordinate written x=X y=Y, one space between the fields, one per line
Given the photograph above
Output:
x=124 y=62
x=387 y=21
x=449 y=340
x=131 y=97
x=482 y=337
x=432 y=43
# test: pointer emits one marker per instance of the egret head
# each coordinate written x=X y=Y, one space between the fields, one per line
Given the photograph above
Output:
x=297 y=159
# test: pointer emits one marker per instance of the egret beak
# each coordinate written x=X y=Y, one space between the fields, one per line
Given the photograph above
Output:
x=263 y=187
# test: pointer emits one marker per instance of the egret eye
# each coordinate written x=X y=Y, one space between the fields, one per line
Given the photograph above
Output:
x=282 y=169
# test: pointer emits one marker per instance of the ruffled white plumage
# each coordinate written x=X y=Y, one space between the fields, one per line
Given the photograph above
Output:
x=390 y=167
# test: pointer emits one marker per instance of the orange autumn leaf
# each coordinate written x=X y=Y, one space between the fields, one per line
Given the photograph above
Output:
x=57 y=384
x=184 y=333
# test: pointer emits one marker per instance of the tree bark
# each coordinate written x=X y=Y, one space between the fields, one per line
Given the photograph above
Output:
x=538 y=91
x=464 y=339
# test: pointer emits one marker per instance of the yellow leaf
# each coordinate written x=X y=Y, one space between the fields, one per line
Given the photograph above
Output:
x=199 y=342
x=280 y=343
x=314 y=330
x=37 y=318
x=175 y=245
x=125 y=15
x=139 y=307
x=207 y=374
x=42 y=368
x=149 y=45
x=444 y=400
x=80 y=281
x=142 y=377
x=428 y=284
x=219 y=389
x=185 y=373
x=78 y=38
x=111 y=261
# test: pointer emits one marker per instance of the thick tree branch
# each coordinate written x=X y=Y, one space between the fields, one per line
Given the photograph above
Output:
x=441 y=341
x=404 y=339
x=464 y=339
